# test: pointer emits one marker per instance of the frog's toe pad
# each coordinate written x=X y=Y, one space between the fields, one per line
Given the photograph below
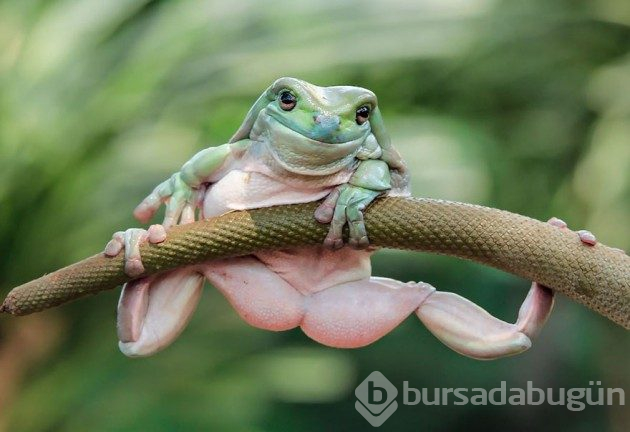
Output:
x=152 y=312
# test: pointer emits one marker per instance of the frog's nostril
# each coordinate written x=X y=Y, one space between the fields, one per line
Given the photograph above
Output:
x=327 y=121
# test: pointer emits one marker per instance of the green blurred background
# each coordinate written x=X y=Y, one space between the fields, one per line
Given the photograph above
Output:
x=519 y=105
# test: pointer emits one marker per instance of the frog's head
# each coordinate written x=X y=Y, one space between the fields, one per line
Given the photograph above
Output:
x=312 y=129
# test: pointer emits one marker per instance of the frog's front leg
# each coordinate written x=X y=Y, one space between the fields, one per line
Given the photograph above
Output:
x=183 y=192
x=346 y=204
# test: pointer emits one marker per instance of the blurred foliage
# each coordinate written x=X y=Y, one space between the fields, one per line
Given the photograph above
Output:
x=518 y=105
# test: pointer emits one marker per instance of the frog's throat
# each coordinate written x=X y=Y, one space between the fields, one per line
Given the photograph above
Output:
x=302 y=155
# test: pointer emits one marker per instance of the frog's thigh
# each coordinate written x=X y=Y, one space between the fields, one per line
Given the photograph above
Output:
x=261 y=297
x=354 y=314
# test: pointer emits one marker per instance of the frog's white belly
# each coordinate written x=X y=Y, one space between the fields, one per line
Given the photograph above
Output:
x=309 y=269
x=241 y=190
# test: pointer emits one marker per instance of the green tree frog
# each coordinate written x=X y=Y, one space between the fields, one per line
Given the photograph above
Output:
x=301 y=143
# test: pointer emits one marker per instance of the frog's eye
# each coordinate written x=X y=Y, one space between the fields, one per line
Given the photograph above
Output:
x=287 y=100
x=363 y=113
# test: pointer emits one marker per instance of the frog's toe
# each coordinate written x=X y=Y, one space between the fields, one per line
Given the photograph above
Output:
x=116 y=244
x=586 y=237
x=157 y=233
x=188 y=214
x=134 y=267
x=130 y=241
x=153 y=311
x=147 y=208
x=557 y=222
x=324 y=213
x=333 y=241
x=358 y=238
x=134 y=238
x=359 y=243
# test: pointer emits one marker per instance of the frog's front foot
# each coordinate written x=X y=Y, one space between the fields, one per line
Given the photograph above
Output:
x=346 y=204
x=180 y=199
x=130 y=241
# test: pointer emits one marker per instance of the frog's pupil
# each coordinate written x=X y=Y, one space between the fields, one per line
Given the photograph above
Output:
x=363 y=113
x=287 y=98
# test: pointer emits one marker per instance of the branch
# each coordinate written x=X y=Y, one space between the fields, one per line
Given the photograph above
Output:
x=598 y=277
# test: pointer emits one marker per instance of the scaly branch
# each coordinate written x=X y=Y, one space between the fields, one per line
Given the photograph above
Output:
x=598 y=277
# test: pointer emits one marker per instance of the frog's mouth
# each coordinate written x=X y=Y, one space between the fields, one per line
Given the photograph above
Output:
x=300 y=154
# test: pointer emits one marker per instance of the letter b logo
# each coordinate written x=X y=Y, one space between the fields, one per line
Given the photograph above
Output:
x=376 y=395
x=376 y=398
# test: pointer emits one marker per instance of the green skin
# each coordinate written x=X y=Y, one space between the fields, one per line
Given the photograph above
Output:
x=380 y=167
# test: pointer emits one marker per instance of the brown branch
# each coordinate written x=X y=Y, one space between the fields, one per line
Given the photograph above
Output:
x=598 y=277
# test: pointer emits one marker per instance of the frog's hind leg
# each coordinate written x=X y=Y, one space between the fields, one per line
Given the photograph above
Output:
x=153 y=311
x=348 y=315
x=357 y=313
x=259 y=295
x=470 y=330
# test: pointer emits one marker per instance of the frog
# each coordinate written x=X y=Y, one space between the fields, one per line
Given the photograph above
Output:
x=303 y=143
